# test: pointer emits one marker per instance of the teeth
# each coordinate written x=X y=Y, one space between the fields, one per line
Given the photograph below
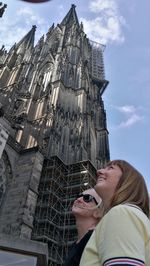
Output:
x=76 y=205
x=101 y=178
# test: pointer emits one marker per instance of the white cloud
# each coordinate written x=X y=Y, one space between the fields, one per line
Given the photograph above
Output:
x=107 y=26
x=127 y=109
x=133 y=119
x=29 y=16
x=101 y=5
x=131 y=114
x=13 y=30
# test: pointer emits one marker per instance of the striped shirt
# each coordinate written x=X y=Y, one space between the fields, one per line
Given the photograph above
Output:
x=124 y=261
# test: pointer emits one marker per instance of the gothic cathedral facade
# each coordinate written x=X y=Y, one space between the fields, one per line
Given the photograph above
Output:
x=53 y=132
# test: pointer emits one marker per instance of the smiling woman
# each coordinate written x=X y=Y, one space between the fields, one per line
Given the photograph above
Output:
x=122 y=237
x=87 y=212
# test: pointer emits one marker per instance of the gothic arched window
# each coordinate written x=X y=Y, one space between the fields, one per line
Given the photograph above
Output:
x=5 y=175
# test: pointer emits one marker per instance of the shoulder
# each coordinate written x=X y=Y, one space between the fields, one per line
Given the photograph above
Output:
x=123 y=217
x=123 y=232
x=127 y=209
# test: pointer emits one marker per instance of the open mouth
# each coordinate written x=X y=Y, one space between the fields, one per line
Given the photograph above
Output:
x=77 y=205
x=99 y=179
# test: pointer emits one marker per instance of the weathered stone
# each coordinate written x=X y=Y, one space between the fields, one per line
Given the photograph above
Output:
x=53 y=113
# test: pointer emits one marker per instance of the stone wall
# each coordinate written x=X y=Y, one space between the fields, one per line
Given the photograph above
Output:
x=18 y=206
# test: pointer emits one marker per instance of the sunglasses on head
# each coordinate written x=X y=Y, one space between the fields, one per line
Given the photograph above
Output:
x=87 y=198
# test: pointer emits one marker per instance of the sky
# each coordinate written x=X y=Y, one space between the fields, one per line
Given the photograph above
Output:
x=121 y=25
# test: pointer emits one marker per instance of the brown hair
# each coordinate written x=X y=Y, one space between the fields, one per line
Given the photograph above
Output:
x=131 y=187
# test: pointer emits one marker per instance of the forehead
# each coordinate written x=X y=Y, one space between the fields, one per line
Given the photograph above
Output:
x=88 y=191
x=115 y=167
x=113 y=163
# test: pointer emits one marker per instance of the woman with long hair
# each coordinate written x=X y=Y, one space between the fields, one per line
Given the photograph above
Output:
x=123 y=235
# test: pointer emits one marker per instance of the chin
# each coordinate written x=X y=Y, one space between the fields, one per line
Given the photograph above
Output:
x=76 y=209
x=98 y=188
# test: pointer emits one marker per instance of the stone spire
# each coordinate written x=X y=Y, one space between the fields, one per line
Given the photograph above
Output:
x=71 y=16
x=27 y=41
x=2 y=9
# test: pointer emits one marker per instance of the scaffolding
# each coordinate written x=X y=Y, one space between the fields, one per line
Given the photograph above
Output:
x=97 y=66
x=54 y=223
x=97 y=61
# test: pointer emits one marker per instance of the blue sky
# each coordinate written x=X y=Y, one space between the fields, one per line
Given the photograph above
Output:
x=122 y=25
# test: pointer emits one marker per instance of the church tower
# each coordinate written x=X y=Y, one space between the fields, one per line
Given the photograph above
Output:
x=51 y=108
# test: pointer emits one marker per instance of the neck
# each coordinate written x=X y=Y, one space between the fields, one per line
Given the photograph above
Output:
x=84 y=226
x=106 y=205
x=106 y=200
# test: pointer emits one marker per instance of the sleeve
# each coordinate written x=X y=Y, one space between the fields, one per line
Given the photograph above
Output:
x=120 y=240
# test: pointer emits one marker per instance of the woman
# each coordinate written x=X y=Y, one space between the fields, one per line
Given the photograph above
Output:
x=123 y=235
x=87 y=212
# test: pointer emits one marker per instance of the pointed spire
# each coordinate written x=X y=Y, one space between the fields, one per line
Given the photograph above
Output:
x=2 y=9
x=71 y=15
x=50 y=31
x=81 y=26
x=3 y=54
x=27 y=41
x=2 y=50
x=40 y=43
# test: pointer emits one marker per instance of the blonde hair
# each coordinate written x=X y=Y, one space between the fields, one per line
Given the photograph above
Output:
x=131 y=187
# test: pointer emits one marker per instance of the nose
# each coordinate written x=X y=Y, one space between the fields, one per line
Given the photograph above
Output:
x=78 y=199
x=100 y=171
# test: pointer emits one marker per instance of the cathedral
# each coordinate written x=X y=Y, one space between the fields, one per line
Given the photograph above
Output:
x=53 y=134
